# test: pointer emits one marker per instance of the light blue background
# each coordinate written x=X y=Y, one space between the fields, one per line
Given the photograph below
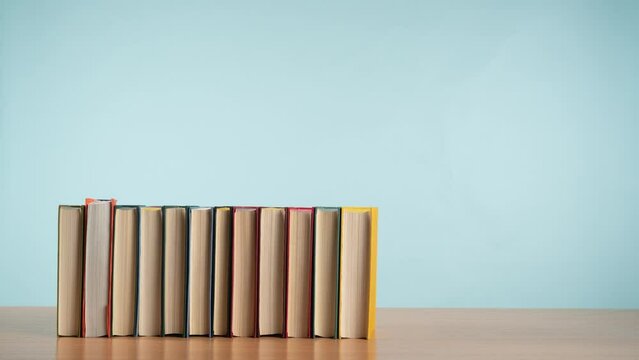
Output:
x=500 y=140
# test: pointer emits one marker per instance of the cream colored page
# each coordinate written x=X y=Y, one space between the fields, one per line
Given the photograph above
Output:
x=222 y=271
x=355 y=276
x=70 y=233
x=149 y=312
x=200 y=272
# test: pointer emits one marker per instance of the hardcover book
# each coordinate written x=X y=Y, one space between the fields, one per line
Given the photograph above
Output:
x=326 y=272
x=150 y=272
x=98 y=256
x=244 y=271
x=300 y=271
x=174 y=276
x=200 y=270
x=358 y=271
x=223 y=224
x=70 y=250
x=125 y=271
x=272 y=271
x=216 y=271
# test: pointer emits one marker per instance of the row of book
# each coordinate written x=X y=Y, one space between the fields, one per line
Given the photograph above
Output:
x=216 y=271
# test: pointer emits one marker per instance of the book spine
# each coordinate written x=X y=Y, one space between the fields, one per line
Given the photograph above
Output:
x=212 y=272
x=187 y=262
x=111 y=235
x=313 y=270
x=110 y=301
x=163 y=276
x=310 y=275
x=231 y=271
x=83 y=331
x=339 y=276
x=373 y=276
x=256 y=244
x=339 y=244
x=287 y=215
x=229 y=332
x=57 y=309
x=136 y=331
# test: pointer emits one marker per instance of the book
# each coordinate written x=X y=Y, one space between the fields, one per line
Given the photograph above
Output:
x=222 y=277
x=244 y=271
x=174 y=276
x=326 y=272
x=150 y=272
x=358 y=264
x=299 y=274
x=216 y=271
x=200 y=270
x=272 y=271
x=125 y=271
x=70 y=250
x=96 y=296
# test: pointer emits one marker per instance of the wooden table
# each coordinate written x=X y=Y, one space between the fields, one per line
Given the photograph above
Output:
x=29 y=333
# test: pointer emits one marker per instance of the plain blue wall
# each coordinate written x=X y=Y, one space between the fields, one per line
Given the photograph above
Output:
x=499 y=140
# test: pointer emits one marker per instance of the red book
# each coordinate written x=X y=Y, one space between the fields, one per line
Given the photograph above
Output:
x=98 y=267
x=299 y=272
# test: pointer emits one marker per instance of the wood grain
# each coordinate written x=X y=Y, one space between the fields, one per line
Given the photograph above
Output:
x=29 y=333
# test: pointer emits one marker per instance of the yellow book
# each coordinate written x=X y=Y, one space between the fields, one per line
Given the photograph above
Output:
x=358 y=272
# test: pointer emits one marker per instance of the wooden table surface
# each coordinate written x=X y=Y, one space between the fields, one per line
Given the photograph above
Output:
x=29 y=333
